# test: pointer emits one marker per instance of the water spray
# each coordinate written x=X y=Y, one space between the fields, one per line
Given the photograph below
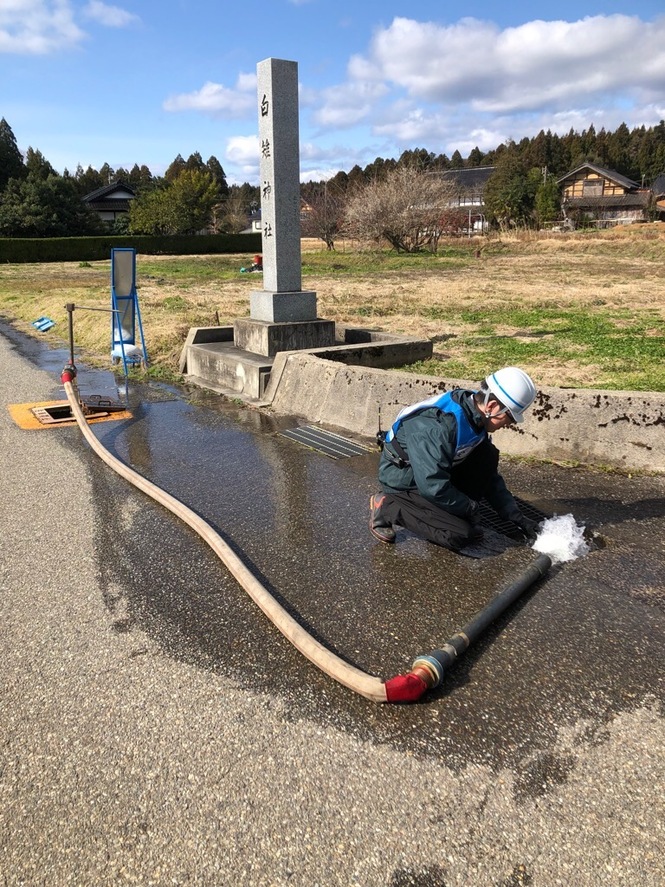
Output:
x=562 y=539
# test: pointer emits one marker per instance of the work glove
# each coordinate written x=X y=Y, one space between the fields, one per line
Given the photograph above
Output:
x=476 y=532
x=526 y=526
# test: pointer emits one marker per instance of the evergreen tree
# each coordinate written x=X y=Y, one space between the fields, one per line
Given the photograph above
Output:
x=175 y=169
x=356 y=178
x=153 y=213
x=619 y=150
x=195 y=161
x=249 y=196
x=475 y=159
x=340 y=181
x=216 y=170
x=11 y=161
x=418 y=158
x=88 y=181
x=456 y=161
x=601 y=149
x=547 y=202
x=121 y=175
x=509 y=193
x=378 y=169
x=45 y=207
x=37 y=166
x=140 y=178
x=183 y=207
x=107 y=174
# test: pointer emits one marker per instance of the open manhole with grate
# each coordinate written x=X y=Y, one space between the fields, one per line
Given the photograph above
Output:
x=54 y=414
x=59 y=413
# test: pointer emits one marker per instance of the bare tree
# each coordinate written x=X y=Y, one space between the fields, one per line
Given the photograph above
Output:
x=231 y=216
x=322 y=213
x=407 y=209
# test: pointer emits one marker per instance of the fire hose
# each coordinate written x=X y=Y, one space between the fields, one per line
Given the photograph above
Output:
x=427 y=671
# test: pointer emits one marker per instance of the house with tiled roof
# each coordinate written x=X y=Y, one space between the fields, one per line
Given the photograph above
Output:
x=110 y=202
x=468 y=185
x=603 y=197
x=468 y=194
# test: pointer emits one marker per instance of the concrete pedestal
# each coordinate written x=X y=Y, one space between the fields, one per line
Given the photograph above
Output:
x=263 y=337
x=282 y=307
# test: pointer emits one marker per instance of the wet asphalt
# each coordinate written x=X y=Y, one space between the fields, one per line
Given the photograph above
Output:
x=158 y=729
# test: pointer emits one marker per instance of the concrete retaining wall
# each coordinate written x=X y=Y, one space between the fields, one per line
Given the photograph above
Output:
x=612 y=428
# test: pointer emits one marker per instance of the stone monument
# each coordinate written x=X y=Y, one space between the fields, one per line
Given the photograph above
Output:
x=282 y=315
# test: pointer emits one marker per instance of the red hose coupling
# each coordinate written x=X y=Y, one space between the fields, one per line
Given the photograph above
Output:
x=68 y=374
x=406 y=687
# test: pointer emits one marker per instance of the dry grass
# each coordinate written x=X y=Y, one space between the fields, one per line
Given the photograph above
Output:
x=618 y=273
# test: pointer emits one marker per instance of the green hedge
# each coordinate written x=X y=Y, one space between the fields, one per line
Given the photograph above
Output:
x=90 y=249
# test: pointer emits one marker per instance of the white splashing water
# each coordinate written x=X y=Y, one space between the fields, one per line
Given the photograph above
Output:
x=562 y=539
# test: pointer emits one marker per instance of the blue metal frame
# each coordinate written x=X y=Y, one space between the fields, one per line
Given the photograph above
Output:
x=126 y=313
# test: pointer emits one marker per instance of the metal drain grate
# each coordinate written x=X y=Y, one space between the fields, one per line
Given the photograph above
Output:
x=333 y=445
x=489 y=518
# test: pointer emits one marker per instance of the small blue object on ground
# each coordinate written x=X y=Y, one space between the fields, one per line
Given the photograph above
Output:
x=43 y=323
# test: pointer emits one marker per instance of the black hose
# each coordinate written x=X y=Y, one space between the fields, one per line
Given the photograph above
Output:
x=432 y=666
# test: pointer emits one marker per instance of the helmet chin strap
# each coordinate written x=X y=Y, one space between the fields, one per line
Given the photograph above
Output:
x=487 y=395
x=488 y=413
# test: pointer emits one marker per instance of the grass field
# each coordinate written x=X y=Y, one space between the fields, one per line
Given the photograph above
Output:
x=585 y=309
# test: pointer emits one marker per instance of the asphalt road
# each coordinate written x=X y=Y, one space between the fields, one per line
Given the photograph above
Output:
x=156 y=729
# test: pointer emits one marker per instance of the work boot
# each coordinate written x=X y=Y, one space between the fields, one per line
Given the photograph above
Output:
x=379 y=527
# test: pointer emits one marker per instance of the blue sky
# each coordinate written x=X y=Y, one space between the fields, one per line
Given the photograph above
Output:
x=140 y=81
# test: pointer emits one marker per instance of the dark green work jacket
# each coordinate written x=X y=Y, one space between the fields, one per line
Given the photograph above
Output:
x=429 y=439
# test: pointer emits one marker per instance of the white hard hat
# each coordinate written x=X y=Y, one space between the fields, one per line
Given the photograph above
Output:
x=514 y=389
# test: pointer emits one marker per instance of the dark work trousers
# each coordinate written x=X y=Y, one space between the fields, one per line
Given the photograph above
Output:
x=416 y=513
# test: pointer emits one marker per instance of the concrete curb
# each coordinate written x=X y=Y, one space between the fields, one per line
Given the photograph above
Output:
x=620 y=429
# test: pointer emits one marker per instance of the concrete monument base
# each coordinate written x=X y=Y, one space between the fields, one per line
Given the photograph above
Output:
x=263 y=337
x=212 y=359
x=282 y=307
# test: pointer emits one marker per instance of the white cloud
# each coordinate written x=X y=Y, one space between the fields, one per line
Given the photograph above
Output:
x=471 y=83
x=318 y=163
x=218 y=100
x=37 y=27
x=243 y=151
x=349 y=104
x=529 y=66
x=109 y=16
